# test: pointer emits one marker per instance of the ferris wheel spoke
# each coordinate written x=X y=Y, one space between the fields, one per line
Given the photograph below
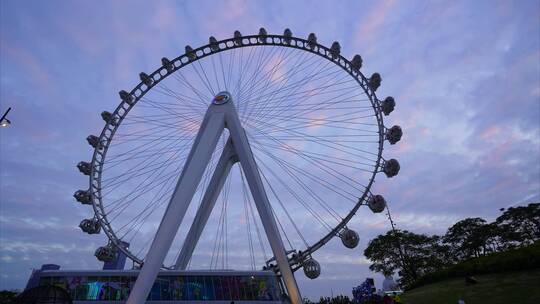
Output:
x=158 y=199
x=269 y=75
x=332 y=118
x=141 y=146
x=294 y=100
x=290 y=90
x=143 y=186
x=219 y=243
x=302 y=154
x=145 y=163
x=225 y=84
x=329 y=119
x=118 y=180
x=143 y=189
x=120 y=205
x=294 y=86
x=138 y=155
x=329 y=170
x=283 y=206
x=242 y=71
x=181 y=130
x=153 y=132
x=116 y=183
x=249 y=216
x=250 y=242
x=316 y=120
x=324 y=105
x=215 y=74
x=203 y=98
x=229 y=68
x=347 y=163
x=287 y=86
x=355 y=101
x=159 y=106
x=256 y=77
x=330 y=186
x=255 y=74
x=182 y=99
x=139 y=171
x=322 y=141
x=304 y=186
x=204 y=80
x=300 y=65
x=298 y=198
x=259 y=237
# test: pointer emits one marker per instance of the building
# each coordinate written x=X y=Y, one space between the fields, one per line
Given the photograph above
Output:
x=171 y=286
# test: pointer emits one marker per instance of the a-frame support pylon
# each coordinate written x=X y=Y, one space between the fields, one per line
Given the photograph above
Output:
x=220 y=114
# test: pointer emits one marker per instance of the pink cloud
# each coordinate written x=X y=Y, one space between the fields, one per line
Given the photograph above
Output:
x=29 y=63
x=369 y=26
x=490 y=132
x=85 y=39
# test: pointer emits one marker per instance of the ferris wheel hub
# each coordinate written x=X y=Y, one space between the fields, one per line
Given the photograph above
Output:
x=222 y=98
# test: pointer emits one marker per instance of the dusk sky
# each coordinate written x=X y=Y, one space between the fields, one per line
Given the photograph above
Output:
x=465 y=76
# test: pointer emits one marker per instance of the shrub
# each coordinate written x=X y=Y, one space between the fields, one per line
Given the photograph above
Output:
x=511 y=260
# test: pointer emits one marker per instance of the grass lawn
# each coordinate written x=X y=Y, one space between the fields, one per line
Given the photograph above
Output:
x=509 y=287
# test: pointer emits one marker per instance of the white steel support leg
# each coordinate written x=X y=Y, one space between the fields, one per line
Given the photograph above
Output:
x=197 y=161
x=258 y=193
x=223 y=167
x=220 y=114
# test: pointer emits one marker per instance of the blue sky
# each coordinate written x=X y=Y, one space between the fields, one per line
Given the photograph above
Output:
x=465 y=76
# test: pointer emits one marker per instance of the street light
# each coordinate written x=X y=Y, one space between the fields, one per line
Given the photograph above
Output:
x=4 y=122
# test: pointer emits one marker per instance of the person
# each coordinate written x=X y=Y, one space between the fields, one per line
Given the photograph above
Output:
x=387 y=299
x=460 y=301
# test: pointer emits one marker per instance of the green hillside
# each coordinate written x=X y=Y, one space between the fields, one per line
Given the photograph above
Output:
x=503 y=288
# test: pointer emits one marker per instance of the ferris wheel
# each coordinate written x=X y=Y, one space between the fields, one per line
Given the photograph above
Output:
x=269 y=125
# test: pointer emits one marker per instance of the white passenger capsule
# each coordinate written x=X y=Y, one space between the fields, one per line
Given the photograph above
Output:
x=335 y=50
x=288 y=36
x=109 y=118
x=190 y=53
x=388 y=105
x=93 y=140
x=391 y=167
x=356 y=62
x=147 y=80
x=375 y=81
x=105 y=253
x=84 y=167
x=377 y=203
x=167 y=64
x=213 y=43
x=90 y=226
x=262 y=35
x=312 y=268
x=393 y=135
x=349 y=238
x=312 y=41
x=126 y=97
x=83 y=196
x=237 y=38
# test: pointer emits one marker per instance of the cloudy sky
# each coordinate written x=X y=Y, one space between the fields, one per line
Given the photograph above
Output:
x=465 y=76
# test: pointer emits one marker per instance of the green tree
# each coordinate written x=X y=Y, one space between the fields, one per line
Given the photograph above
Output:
x=467 y=238
x=411 y=255
x=8 y=296
x=520 y=226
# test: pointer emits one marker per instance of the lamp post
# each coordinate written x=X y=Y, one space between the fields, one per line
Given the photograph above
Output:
x=4 y=122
